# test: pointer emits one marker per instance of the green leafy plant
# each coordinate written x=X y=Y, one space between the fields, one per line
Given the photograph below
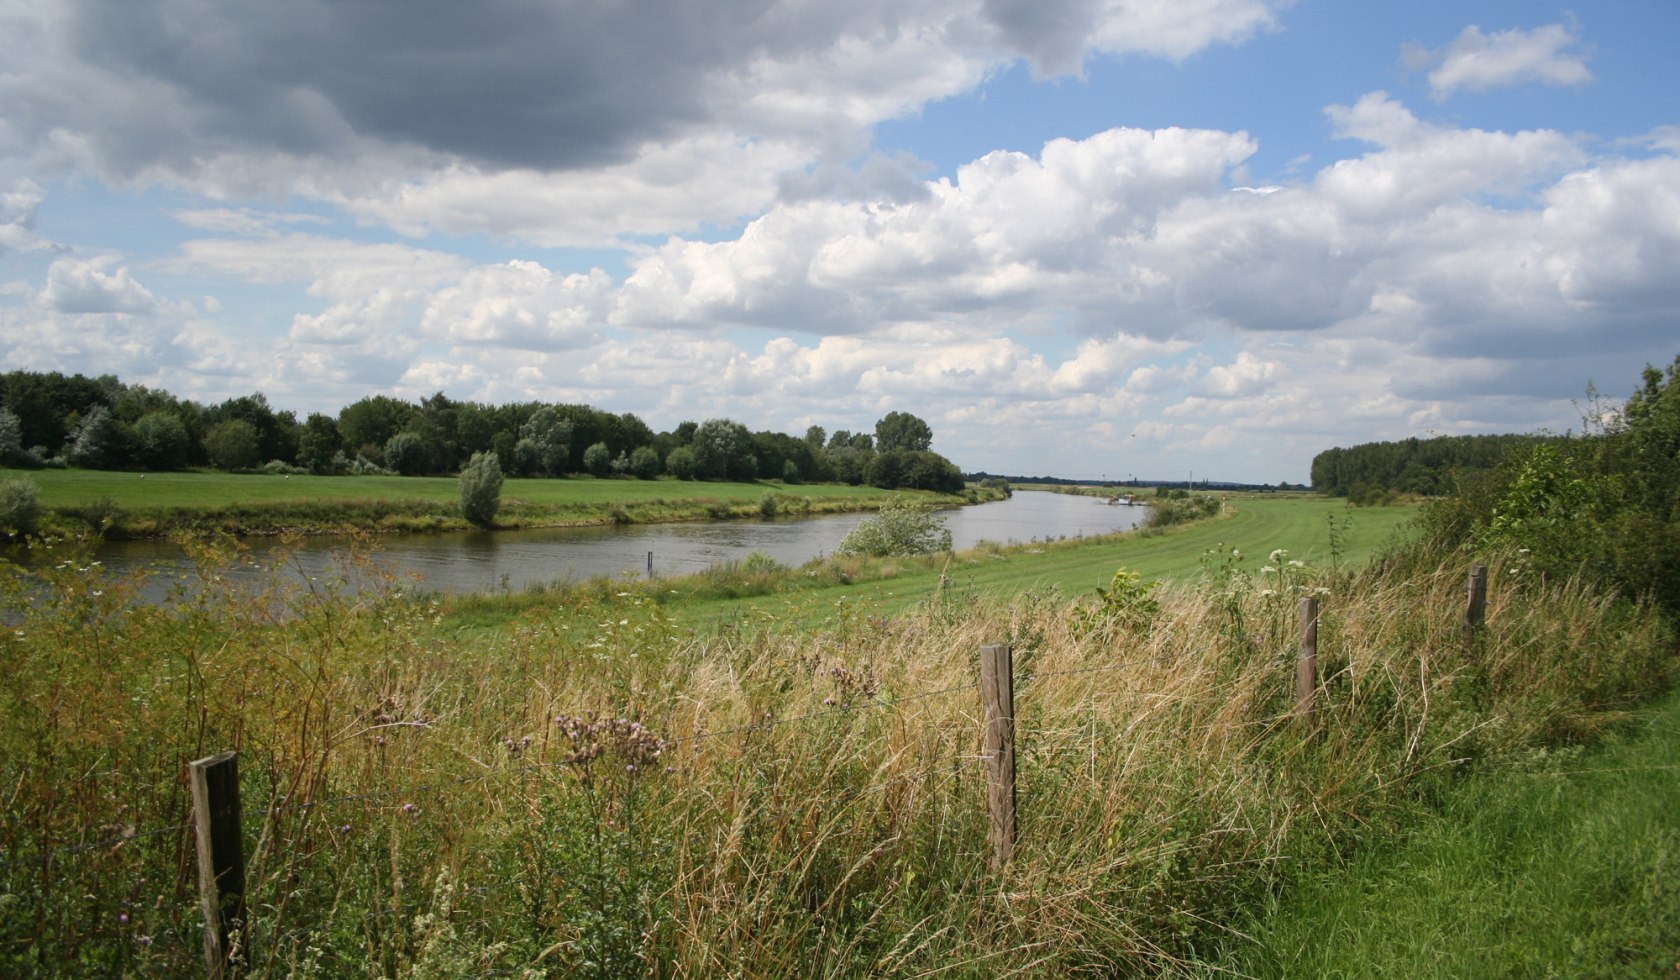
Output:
x=20 y=507
x=899 y=530
x=1126 y=603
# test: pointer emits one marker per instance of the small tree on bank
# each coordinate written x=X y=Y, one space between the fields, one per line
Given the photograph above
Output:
x=481 y=489
x=20 y=507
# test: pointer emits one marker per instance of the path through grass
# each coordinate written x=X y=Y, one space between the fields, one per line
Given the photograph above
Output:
x=1567 y=865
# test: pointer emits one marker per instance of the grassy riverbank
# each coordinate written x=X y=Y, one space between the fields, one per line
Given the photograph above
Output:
x=127 y=505
x=615 y=781
x=1317 y=530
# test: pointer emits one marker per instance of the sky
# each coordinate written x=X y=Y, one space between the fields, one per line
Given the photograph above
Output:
x=1096 y=239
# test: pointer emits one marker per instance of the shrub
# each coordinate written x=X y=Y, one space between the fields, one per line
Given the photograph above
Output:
x=362 y=466
x=405 y=452
x=898 y=530
x=597 y=459
x=1178 y=507
x=682 y=463
x=481 y=489
x=644 y=463
x=20 y=507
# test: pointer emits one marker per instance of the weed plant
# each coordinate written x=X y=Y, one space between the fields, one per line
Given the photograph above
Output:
x=595 y=790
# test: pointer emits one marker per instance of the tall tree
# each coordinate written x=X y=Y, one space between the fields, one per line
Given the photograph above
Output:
x=99 y=442
x=724 y=449
x=161 y=441
x=368 y=424
x=901 y=430
x=318 y=443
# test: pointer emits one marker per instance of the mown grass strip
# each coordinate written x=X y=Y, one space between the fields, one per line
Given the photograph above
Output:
x=1565 y=865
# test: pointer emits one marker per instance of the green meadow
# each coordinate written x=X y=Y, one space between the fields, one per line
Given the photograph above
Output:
x=129 y=505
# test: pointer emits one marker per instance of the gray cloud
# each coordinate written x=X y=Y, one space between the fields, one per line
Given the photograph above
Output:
x=1051 y=34
x=504 y=82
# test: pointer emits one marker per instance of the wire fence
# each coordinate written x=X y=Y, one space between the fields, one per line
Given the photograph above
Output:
x=126 y=835
x=1000 y=716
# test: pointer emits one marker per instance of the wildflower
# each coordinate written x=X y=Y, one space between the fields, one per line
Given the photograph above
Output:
x=1279 y=553
x=410 y=808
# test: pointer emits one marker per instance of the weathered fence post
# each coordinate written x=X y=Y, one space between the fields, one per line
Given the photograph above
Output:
x=997 y=696
x=1306 y=661
x=221 y=855
x=1475 y=608
x=650 y=564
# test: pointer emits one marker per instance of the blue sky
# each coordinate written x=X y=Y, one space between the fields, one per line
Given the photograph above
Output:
x=1078 y=237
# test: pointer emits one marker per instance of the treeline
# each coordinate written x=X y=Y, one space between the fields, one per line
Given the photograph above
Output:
x=50 y=419
x=1421 y=466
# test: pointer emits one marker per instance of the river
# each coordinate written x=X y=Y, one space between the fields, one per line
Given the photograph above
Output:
x=483 y=561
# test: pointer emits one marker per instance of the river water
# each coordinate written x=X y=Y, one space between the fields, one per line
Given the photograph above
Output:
x=484 y=561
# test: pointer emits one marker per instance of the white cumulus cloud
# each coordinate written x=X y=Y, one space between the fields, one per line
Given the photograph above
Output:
x=1478 y=61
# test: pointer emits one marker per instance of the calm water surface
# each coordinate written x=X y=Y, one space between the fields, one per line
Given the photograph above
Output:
x=479 y=561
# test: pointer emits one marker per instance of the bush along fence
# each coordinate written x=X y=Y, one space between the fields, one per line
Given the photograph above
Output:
x=218 y=820
x=838 y=800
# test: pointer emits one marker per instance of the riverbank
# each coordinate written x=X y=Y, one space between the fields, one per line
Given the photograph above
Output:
x=602 y=781
x=132 y=505
x=1319 y=532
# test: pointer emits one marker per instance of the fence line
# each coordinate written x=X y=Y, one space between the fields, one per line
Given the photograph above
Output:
x=219 y=819
x=423 y=789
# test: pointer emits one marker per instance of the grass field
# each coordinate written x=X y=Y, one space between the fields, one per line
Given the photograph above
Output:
x=211 y=491
x=129 y=505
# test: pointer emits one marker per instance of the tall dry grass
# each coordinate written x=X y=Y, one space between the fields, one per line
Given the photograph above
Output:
x=597 y=791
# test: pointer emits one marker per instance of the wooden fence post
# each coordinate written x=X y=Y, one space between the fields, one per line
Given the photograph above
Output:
x=1475 y=608
x=997 y=696
x=221 y=855
x=1306 y=661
